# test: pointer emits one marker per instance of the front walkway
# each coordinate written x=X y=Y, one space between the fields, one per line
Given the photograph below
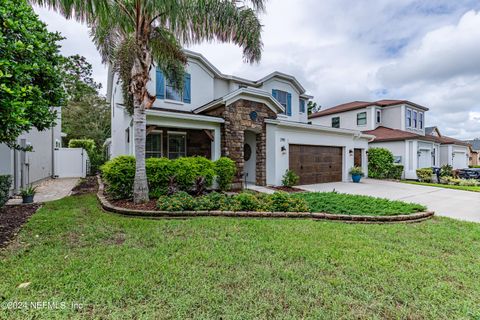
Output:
x=463 y=205
x=50 y=190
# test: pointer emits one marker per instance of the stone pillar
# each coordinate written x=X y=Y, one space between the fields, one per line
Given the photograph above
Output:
x=261 y=166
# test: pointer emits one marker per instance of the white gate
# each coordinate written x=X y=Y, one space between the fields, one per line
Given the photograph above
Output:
x=70 y=163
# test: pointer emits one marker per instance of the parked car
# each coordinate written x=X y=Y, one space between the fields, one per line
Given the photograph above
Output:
x=472 y=173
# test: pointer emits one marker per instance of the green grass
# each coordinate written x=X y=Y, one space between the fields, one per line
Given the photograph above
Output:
x=340 y=203
x=124 y=268
x=446 y=186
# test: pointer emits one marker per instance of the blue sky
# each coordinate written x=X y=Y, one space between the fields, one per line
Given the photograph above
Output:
x=345 y=50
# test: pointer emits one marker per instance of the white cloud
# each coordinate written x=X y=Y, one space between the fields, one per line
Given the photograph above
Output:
x=342 y=50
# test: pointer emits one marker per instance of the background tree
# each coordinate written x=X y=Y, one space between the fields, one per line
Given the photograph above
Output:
x=312 y=107
x=134 y=36
x=86 y=114
x=30 y=81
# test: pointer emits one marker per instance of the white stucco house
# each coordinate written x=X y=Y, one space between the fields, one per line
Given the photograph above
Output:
x=398 y=125
x=262 y=125
x=31 y=167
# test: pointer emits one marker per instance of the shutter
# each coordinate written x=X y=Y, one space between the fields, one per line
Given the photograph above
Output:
x=187 y=92
x=160 y=84
x=289 y=104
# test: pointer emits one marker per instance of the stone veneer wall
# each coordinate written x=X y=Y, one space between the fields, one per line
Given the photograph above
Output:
x=237 y=120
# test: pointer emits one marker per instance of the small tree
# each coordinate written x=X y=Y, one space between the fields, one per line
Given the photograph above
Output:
x=290 y=178
x=30 y=77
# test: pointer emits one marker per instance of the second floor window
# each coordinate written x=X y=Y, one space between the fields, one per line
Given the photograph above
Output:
x=302 y=106
x=409 y=118
x=166 y=89
x=336 y=122
x=379 y=116
x=285 y=99
x=361 y=119
x=420 y=120
x=414 y=119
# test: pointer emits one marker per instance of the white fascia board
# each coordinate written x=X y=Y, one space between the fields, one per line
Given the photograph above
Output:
x=252 y=94
x=184 y=116
x=291 y=124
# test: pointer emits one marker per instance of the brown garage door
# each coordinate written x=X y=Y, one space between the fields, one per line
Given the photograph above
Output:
x=316 y=164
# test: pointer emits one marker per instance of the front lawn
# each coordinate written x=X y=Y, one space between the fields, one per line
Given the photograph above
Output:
x=123 y=268
x=339 y=203
x=447 y=186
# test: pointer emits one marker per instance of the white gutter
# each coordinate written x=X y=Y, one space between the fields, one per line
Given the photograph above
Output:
x=291 y=124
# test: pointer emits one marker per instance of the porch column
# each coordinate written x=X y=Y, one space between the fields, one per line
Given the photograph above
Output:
x=216 y=144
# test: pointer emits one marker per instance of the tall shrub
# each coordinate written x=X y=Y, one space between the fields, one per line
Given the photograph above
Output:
x=225 y=169
x=5 y=183
x=380 y=162
x=118 y=174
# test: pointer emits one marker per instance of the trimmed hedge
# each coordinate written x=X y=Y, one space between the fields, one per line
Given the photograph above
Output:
x=396 y=172
x=425 y=174
x=119 y=174
x=5 y=183
x=245 y=201
x=225 y=169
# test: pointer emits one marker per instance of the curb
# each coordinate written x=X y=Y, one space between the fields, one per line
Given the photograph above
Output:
x=107 y=206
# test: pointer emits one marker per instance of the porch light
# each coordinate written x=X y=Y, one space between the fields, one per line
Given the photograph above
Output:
x=419 y=153
x=283 y=149
x=350 y=152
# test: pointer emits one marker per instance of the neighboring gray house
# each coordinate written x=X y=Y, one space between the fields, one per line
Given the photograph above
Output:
x=399 y=126
x=474 y=151
x=32 y=167
x=262 y=125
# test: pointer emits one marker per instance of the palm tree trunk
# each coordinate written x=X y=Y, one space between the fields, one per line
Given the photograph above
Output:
x=142 y=100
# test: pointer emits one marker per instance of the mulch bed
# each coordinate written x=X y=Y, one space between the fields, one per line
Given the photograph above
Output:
x=287 y=189
x=128 y=204
x=87 y=185
x=12 y=218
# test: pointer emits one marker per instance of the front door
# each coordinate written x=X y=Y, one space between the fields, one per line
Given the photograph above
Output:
x=357 y=158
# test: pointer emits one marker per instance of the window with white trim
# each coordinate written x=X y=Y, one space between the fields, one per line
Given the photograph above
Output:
x=172 y=92
x=336 y=122
x=415 y=119
x=361 y=119
x=420 y=120
x=153 y=145
x=409 y=118
x=379 y=116
x=177 y=145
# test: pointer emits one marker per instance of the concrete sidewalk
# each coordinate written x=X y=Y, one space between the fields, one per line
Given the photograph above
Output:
x=50 y=190
x=463 y=205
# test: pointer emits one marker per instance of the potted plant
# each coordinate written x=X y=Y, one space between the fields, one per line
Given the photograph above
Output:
x=28 y=194
x=356 y=173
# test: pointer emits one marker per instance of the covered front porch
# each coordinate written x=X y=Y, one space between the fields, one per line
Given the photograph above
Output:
x=173 y=135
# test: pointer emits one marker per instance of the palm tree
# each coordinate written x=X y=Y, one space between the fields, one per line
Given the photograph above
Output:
x=136 y=35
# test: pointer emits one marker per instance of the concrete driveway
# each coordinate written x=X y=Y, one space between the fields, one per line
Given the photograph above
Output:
x=463 y=205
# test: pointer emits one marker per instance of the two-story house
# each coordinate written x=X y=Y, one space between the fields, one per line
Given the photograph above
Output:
x=262 y=125
x=398 y=125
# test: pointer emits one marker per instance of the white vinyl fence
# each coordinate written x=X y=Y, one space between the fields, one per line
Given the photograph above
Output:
x=71 y=163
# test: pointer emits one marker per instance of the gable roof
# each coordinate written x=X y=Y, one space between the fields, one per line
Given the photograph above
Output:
x=252 y=94
x=475 y=143
x=257 y=83
x=354 y=105
x=384 y=134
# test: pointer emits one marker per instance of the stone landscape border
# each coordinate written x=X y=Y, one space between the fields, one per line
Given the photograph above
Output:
x=107 y=206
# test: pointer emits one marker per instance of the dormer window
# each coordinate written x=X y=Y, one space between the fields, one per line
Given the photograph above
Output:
x=379 y=116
